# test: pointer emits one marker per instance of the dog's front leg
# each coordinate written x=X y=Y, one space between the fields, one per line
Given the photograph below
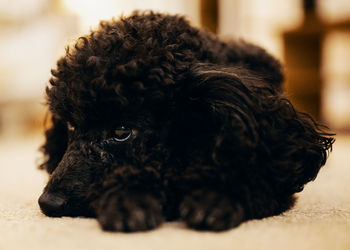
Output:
x=131 y=201
x=214 y=210
x=205 y=209
x=208 y=201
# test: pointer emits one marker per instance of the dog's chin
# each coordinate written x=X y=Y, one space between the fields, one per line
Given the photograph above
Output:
x=71 y=211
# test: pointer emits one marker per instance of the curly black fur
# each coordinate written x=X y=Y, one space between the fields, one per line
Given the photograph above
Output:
x=214 y=141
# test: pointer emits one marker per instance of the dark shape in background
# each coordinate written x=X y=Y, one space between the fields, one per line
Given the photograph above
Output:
x=209 y=15
x=303 y=52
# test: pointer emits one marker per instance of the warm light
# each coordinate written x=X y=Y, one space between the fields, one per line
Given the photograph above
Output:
x=92 y=11
x=336 y=70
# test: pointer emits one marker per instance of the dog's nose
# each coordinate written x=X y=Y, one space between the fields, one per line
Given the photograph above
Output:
x=52 y=204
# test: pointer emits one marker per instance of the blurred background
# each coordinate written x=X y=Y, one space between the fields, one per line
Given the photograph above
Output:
x=311 y=38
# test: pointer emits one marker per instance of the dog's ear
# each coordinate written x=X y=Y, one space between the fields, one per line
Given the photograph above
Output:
x=221 y=98
x=298 y=147
x=254 y=125
x=215 y=113
x=55 y=145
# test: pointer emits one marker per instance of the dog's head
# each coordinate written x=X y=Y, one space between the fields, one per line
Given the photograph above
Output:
x=112 y=99
x=142 y=94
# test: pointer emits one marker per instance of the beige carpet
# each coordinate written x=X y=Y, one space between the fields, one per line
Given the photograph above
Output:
x=320 y=220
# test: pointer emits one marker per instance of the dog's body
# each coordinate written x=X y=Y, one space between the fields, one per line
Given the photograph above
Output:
x=154 y=119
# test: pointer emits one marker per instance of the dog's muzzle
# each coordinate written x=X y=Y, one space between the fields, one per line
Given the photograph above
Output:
x=52 y=205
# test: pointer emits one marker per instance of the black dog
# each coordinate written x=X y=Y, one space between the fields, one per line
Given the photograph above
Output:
x=156 y=120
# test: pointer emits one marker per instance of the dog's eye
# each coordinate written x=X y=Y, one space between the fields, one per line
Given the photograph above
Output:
x=122 y=133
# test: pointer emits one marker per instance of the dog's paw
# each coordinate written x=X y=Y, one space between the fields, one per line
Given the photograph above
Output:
x=129 y=212
x=213 y=211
